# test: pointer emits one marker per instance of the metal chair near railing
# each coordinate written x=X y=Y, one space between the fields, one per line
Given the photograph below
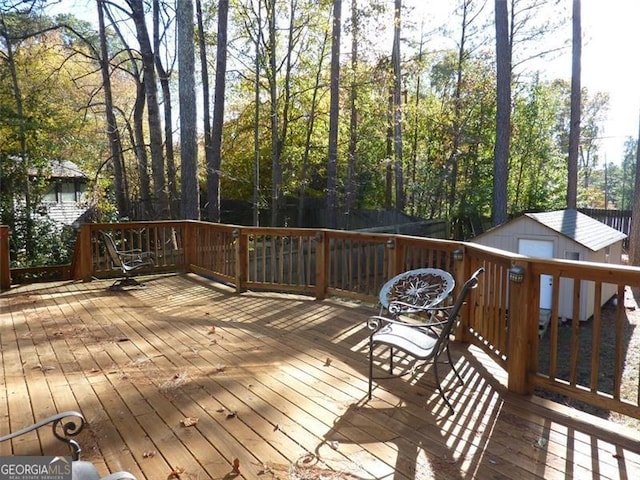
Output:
x=415 y=291
x=66 y=425
x=128 y=261
x=425 y=340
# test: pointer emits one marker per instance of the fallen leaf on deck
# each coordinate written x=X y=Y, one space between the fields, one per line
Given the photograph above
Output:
x=122 y=339
x=327 y=362
x=212 y=330
x=219 y=368
x=236 y=466
x=265 y=469
x=276 y=428
x=232 y=414
x=149 y=454
x=176 y=473
x=189 y=421
x=220 y=410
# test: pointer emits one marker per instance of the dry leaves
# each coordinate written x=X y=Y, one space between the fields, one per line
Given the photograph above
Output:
x=236 y=465
x=176 y=473
x=327 y=362
x=189 y=421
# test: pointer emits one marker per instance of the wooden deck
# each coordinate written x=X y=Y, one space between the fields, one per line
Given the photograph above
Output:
x=276 y=381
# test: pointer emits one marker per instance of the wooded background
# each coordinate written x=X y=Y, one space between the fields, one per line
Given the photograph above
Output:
x=294 y=105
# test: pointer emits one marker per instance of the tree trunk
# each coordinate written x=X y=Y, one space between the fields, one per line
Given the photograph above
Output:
x=213 y=169
x=304 y=175
x=350 y=197
x=503 y=113
x=397 y=109
x=574 y=127
x=190 y=199
x=163 y=77
x=153 y=110
x=334 y=111
x=204 y=76
x=634 y=234
x=273 y=96
x=256 y=128
x=115 y=145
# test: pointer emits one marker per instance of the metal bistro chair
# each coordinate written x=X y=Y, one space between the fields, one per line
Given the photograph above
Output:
x=66 y=425
x=128 y=261
x=423 y=341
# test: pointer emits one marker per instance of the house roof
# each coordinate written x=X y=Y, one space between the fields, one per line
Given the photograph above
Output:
x=579 y=227
x=62 y=169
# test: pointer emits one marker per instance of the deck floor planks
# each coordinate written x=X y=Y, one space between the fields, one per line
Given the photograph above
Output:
x=268 y=362
x=15 y=380
x=189 y=407
x=236 y=391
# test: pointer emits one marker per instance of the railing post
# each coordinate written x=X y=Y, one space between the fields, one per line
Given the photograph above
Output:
x=84 y=270
x=188 y=244
x=395 y=260
x=5 y=263
x=521 y=329
x=322 y=254
x=242 y=241
x=460 y=275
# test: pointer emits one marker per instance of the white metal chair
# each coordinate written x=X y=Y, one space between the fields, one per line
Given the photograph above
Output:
x=415 y=291
x=64 y=426
x=128 y=261
x=423 y=341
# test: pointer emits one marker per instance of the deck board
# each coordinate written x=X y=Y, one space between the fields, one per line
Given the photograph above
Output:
x=277 y=381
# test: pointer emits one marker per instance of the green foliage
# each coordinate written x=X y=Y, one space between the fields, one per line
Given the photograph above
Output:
x=52 y=244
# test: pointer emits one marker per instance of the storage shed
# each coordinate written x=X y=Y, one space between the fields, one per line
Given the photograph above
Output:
x=563 y=234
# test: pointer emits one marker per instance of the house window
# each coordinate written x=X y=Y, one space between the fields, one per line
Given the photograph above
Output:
x=65 y=192
x=51 y=195
x=572 y=255
x=68 y=192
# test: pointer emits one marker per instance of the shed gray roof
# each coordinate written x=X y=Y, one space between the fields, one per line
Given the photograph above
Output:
x=579 y=227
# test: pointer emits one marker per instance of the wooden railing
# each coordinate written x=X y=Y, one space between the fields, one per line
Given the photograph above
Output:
x=502 y=317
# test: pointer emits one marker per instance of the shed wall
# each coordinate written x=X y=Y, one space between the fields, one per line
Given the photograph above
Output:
x=507 y=236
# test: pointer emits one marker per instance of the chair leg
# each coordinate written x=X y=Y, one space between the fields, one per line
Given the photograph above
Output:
x=440 y=389
x=126 y=282
x=370 y=366
x=453 y=367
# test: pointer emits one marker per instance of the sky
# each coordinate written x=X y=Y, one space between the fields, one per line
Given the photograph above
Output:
x=610 y=38
x=609 y=64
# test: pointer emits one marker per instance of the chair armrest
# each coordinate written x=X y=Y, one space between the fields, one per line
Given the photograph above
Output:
x=62 y=429
x=135 y=253
x=399 y=307
x=377 y=321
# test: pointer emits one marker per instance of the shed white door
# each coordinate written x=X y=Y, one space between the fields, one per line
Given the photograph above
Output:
x=540 y=249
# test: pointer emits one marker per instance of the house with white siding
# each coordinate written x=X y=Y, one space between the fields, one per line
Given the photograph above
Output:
x=65 y=197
